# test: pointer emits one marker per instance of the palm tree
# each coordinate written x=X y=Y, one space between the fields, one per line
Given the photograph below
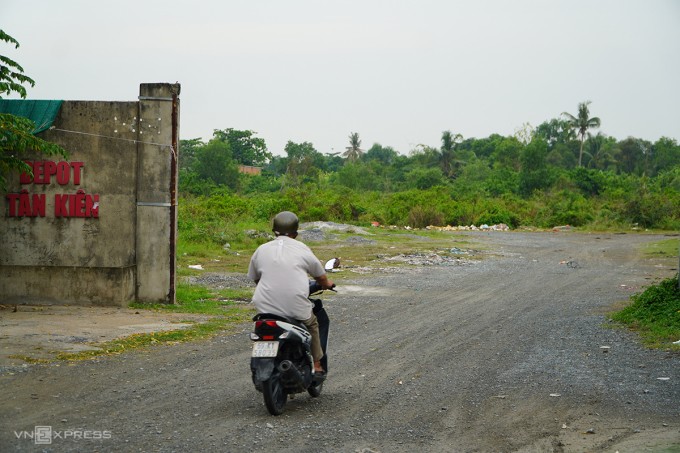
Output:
x=581 y=123
x=600 y=150
x=353 y=151
x=447 y=156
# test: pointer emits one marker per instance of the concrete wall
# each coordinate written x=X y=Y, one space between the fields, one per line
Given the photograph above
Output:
x=120 y=244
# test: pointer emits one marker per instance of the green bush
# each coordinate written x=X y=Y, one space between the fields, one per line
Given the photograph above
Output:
x=422 y=216
x=655 y=312
x=563 y=208
x=650 y=210
x=265 y=206
x=497 y=215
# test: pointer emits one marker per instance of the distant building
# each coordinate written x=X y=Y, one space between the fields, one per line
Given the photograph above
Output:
x=249 y=170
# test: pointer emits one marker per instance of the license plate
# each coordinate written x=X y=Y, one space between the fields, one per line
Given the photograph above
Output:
x=265 y=348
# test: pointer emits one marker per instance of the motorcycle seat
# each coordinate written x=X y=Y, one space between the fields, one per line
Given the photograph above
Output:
x=263 y=316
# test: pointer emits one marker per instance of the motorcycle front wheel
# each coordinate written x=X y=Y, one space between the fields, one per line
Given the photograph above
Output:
x=274 y=395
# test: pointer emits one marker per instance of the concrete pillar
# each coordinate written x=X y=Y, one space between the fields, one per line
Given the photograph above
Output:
x=156 y=221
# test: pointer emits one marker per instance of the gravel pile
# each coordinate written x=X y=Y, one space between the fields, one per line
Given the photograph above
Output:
x=221 y=281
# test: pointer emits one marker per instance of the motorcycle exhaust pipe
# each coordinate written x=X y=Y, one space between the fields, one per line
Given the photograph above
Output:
x=291 y=376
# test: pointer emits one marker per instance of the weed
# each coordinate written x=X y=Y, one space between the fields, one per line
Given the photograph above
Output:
x=229 y=318
x=667 y=248
x=655 y=314
x=28 y=359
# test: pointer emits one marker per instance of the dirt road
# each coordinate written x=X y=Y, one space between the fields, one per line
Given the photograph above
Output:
x=501 y=355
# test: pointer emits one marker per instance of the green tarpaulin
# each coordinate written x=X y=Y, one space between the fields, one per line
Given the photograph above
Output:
x=42 y=113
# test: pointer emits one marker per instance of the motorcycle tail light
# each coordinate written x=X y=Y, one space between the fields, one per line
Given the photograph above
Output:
x=268 y=329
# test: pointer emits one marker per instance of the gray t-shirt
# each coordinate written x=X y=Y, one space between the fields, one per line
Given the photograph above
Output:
x=283 y=267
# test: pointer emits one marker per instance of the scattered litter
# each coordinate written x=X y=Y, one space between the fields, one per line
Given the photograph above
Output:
x=564 y=426
x=664 y=378
x=196 y=266
x=332 y=264
x=605 y=349
x=426 y=259
x=332 y=226
x=590 y=431
x=676 y=342
x=498 y=227
x=254 y=234
x=555 y=395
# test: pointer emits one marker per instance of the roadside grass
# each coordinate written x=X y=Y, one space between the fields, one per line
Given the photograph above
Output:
x=28 y=359
x=353 y=249
x=212 y=257
x=654 y=314
x=667 y=248
x=200 y=299
x=221 y=307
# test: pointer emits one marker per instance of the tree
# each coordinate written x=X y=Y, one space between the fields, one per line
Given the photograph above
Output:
x=534 y=174
x=12 y=75
x=214 y=162
x=632 y=155
x=554 y=132
x=666 y=154
x=357 y=176
x=525 y=133
x=601 y=150
x=245 y=148
x=304 y=163
x=424 y=178
x=507 y=154
x=353 y=152
x=447 y=157
x=581 y=123
x=424 y=156
x=332 y=162
x=16 y=133
x=187 y=152
x=386 y=155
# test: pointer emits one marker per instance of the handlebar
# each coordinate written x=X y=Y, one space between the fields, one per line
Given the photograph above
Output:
x=314 y=287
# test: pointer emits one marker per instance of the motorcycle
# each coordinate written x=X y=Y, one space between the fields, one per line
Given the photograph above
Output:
x=281 y=361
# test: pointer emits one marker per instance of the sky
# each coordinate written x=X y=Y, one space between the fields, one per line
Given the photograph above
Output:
x=397 y=72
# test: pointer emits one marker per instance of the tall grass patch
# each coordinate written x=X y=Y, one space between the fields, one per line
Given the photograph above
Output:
x=655 y=314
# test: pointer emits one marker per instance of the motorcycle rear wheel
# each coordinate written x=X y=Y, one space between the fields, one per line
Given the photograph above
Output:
x=275 y=396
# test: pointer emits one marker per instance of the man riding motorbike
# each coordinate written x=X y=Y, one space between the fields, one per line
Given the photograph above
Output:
x=280 y=269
